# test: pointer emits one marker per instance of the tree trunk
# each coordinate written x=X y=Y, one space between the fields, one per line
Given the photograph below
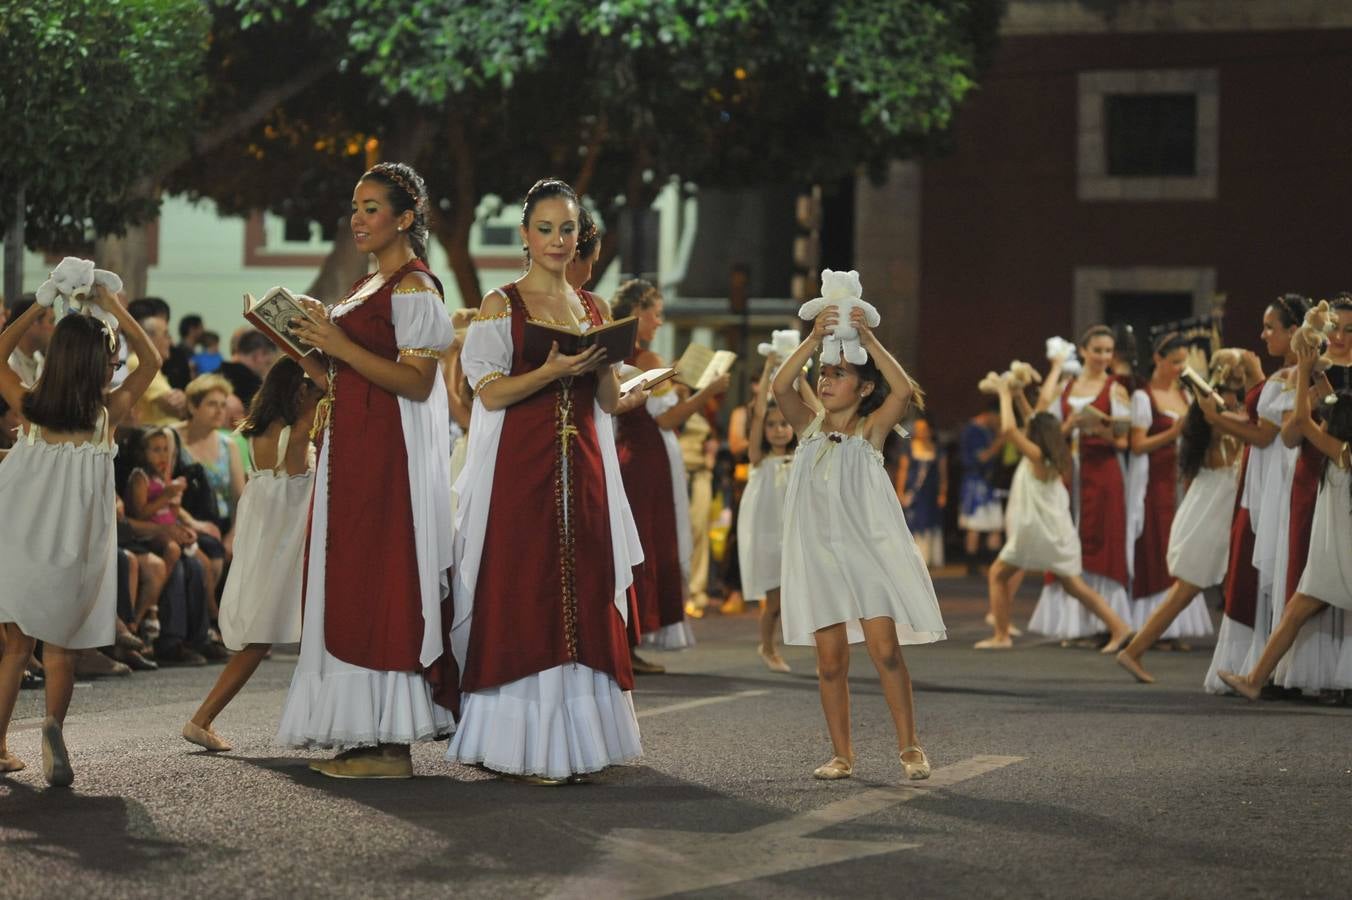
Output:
x=129 y=256
x=453 y=231
x=343 y=266
x=14 y=237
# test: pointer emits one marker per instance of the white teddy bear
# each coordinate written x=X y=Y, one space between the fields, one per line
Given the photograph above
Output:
x=843 y=291
x=782 y=344
x=73 y=279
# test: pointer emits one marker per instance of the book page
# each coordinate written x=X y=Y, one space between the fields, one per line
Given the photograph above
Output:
x=690 y=367
x=649 y=378
x=719 y=366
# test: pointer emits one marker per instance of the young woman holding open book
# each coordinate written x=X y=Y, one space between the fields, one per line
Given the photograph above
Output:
x=655 y=479
x=545 y=544
x=374 y=675
x=1094 y=411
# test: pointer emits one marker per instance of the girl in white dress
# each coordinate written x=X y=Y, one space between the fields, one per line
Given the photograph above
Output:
x=1327 y=580
x=852 y=571
x=1040 y=535
x=760 y=522
x=58 y=535
x=261 y=602
x=1199 y=541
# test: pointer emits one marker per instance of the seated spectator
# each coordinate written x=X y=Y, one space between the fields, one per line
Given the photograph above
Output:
x=27 y=357
x=202 y=441
x=207 y=361
x=253 y=355
x=162 y=403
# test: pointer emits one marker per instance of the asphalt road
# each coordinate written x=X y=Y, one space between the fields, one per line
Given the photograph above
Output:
x=1055 y=775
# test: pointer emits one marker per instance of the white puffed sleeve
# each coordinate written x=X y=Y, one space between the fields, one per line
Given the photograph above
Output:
x=422 y=327
x=1120 y=410
x=488 y=350
x=1276 y=400
x=1141 y=414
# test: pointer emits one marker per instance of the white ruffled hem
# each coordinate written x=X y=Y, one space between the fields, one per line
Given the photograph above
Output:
x=1193 y=621
x=1232 y=646
x=676 y=636
x=1060 y=615
x=568 y=720
x=1317 y=659
x=361 y=708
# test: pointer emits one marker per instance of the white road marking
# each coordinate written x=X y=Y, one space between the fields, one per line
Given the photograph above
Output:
x=695 y=704
x=645 y=863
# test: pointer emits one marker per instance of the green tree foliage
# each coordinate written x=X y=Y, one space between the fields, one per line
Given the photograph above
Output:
x=617 y=95
x=94 y=95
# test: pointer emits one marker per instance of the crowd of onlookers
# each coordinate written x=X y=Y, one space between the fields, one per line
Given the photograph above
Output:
x=180 y=471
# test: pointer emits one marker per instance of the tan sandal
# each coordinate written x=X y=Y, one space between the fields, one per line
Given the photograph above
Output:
x=915 y=771
x=836 y=769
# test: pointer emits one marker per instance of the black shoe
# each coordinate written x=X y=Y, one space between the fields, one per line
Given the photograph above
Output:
x=178 y=654
x=212 y=651
x=137 y=662
x=32 y=681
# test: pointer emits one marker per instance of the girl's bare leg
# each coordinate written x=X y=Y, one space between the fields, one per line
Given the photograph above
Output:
x=1177 y=600
x=234 y=676
x=833 y=671
x=999 y=582
x=60 y=668
x=1119 y=630
x=154 y=576
x=18 y=647
x=880 y=636
x=1299 y=610
x=769 y=628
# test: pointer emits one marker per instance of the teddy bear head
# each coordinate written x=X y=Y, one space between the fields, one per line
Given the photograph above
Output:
x=990 y=384
x=1022 y=374
x=782 y=343
x=838 y=286
x=1313 y=333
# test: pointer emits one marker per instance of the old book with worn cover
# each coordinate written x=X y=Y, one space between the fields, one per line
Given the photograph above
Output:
x=617 y=338
x=272 y=315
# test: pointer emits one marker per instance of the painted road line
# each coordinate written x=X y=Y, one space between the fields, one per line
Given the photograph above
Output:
x=645 y=863
x=696 y=704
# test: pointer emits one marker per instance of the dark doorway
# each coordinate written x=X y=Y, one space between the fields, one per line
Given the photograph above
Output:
x=1143 y=310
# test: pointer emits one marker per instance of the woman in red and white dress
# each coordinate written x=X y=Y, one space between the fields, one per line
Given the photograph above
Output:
x=1253 y=531
x=1098 y=488
x=545 y=542
x=1158 y=412
x=1311 y=664
x=374 y=674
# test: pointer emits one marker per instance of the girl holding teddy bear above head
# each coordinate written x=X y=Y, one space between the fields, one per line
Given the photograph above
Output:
x=852 y=571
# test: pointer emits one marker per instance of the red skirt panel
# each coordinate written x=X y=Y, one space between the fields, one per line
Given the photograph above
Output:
x=1304 y=492
x=1241 y=578
x=658 y=584
x=1151 y=571
x=1103 y=513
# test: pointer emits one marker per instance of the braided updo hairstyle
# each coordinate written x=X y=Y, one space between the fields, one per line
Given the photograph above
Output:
x=407 y=193
x=588 y=236
x=1291 y=309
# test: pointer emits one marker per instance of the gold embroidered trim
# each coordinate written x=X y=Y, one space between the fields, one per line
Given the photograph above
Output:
x=420 y=352
x=420 y=289
x=488 y=379
x=482 y=318
x=565 y=480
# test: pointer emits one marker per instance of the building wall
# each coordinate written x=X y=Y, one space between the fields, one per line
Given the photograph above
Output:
x=1004 y=230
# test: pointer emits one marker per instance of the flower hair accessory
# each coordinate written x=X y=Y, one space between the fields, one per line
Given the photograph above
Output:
x=1331 y=399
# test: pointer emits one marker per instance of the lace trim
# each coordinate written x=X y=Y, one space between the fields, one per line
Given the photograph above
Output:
x=483 y=318
x=420 y=352
x=488 y=379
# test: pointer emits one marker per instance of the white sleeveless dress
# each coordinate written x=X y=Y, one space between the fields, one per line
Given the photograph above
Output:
x=1328 y=568
x=58 y=539
x=1041 y=536
x=1199 y=541
x=848 y=554
x=760 y=526
x=261 y=600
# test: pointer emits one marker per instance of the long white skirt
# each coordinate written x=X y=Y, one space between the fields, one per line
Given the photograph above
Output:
x=568 y=720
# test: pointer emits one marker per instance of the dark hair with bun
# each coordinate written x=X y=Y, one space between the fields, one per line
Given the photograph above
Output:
x=588 y=236
x=632 y=296
x=407 y=193
x=1291 y=309
x=1168 y=343
x=544 y=189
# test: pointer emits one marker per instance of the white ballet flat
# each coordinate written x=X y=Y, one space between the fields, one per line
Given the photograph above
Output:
x=915 y=771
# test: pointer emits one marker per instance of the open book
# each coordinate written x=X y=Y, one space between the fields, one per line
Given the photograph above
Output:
x=649 y=379
x=1198 y=384
x=1120 y=424
x=272 y=315
x=699 y=366
x=616 y=337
